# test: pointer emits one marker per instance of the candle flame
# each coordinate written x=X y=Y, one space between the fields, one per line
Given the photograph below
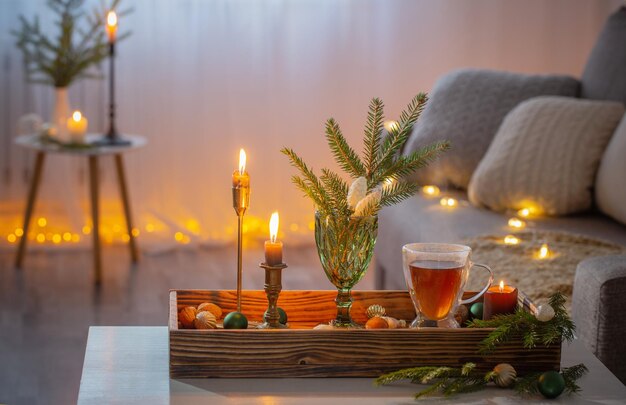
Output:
x=501 y=285
x=242 y=161
x=524 y=212
x=111 y=19
x=273 y=227
x=511 y=240
x=77 y=116
x=544 y=251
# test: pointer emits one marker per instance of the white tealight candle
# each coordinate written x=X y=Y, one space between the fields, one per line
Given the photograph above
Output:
x=77 y=127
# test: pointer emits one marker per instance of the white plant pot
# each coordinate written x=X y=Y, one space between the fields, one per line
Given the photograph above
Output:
x=61 y=113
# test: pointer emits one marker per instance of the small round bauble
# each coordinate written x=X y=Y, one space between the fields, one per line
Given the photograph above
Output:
x=376 y=323
x=477 y=310
x=505 y=375
x=186 y=316
x=375 y=310
x=462 y=314
x=212 y=308
x=205 y=320
x=551 y=384
x=544 y=313
x=281 y=312
x=235 y=320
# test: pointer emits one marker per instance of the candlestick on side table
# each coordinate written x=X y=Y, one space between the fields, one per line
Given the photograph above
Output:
x=112 y=137
x=499 y=300
x=273 y=276
x=241 y=202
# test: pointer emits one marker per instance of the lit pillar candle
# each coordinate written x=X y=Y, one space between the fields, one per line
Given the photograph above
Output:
x=111 y=26
x=499 y=300
x=77 y=127
x=240 y=176
x=273 y=249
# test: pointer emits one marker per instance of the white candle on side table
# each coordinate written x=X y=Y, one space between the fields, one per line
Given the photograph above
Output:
x=77 y=127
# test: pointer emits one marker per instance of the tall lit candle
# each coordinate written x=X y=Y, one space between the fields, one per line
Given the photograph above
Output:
x=499 y=300
x=111 y=26
x=273 y=248
x=77 y=127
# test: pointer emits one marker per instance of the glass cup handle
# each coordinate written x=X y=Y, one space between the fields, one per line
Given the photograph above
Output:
x=484 y=290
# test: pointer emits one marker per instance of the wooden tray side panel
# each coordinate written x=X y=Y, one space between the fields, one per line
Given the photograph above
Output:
x=331 y=353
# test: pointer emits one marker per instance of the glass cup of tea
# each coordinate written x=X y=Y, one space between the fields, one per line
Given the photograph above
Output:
x=435 y=275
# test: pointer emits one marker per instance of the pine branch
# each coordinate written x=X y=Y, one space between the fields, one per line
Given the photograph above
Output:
x=344 y=155
x=398 y=136
x=527 y=385
x=571 y=375
x=397 y=192
x=309 y=181
x=533 y=331
x=337 y=189
x=405 y=165
x=373 y=134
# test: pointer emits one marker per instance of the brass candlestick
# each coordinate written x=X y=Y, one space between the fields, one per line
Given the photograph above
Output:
x=241 y=202
x=273 y=286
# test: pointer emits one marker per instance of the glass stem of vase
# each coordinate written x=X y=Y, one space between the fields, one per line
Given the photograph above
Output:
x=344 y=302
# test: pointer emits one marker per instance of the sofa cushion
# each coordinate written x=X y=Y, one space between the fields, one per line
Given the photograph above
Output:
x=546 y=154
x=610 y=184
x=420 y=219
x=466 y=108
x=604 y=77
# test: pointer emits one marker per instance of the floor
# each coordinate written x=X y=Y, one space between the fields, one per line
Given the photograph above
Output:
x=46 y=308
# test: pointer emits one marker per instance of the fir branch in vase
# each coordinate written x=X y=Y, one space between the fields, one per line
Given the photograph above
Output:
x=60 y=59
x=380 y=163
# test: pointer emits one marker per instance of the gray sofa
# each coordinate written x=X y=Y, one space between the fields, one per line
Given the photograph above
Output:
x=599 y=300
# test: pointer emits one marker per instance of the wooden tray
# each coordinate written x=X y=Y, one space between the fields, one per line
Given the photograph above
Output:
x=303 y=352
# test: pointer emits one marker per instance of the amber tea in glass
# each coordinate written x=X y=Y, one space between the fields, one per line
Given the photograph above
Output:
x=435 y=274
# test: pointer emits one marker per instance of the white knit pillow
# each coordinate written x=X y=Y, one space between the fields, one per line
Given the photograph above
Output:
x=546 y=153
x=610 y=182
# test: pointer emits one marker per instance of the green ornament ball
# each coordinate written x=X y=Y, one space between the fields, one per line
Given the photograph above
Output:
x=477 y=310
x=551 y=384
x=281 y=312
x=235 y=320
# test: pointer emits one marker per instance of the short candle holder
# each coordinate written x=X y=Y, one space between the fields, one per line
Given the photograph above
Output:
x=273 y=286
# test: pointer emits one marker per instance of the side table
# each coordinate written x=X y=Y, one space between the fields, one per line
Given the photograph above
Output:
x=92 y=153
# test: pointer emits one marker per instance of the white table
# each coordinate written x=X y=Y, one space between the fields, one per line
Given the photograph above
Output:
x=129 y=365
x=35 y=143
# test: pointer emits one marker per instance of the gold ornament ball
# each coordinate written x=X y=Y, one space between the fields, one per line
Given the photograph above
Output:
x=186 y=316
x=212 y=308
x=375 y=310
x=205 y=320
x=545 y=313
x=505 y=375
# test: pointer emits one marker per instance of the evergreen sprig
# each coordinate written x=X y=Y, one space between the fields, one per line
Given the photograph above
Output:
x=380 y=162
x=526 y=325
x=448 y=381
x=59 y=60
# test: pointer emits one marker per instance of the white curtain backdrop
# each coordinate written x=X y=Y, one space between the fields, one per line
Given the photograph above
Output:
x=202 y=78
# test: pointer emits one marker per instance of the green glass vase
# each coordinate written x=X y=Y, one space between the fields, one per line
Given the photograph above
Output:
x=345 y=246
